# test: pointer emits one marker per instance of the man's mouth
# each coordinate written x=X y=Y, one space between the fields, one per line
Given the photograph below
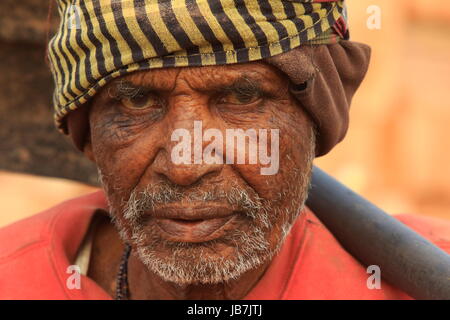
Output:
x=193 y=223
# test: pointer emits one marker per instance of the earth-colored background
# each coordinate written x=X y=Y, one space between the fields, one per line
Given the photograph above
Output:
x=396 y=153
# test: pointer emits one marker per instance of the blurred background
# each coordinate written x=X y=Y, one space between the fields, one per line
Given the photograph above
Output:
x=396 y=153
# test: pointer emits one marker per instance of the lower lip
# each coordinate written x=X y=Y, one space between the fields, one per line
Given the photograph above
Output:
x=194 y=230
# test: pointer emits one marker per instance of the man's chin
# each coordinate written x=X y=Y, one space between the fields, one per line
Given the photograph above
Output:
x=210 y=262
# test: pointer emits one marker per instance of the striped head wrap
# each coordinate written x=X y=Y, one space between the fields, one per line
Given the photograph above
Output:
x=99 y=40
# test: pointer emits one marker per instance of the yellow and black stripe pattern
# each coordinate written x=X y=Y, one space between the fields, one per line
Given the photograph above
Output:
x=99 y=40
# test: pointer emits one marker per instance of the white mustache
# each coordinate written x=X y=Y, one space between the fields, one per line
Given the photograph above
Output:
x=162 y=194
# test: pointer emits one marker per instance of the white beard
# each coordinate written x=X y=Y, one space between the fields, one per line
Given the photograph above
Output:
x=191 y=263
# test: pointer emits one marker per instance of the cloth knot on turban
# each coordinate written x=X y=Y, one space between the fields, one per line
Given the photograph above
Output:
x=99 y=40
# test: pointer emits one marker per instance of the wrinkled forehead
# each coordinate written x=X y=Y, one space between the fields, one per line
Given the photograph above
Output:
x=100 y=40
x=204 y=78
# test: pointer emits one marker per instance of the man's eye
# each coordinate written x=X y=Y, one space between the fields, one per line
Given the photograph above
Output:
x=239 y=98
x=142 y=101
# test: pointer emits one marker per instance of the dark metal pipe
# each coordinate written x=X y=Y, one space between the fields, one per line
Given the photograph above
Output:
x=406 y=259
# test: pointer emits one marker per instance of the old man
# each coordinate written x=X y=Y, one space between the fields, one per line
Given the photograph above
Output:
x=149 y=91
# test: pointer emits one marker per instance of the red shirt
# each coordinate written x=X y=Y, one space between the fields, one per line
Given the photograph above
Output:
x=35 y=253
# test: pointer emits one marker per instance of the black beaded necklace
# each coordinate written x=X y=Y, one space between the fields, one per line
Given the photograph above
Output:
x=122 y=289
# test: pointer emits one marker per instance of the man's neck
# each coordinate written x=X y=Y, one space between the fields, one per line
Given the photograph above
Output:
x=145 y=284
x=107 y=249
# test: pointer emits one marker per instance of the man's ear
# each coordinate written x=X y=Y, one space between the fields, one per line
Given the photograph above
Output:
x=79 y=130
x=87 y=149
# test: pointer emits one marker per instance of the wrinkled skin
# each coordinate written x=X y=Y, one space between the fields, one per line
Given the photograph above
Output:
x=131 y=145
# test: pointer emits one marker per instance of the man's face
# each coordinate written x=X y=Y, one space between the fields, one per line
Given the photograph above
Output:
x=194 y=221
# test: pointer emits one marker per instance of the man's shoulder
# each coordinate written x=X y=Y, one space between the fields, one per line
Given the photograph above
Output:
x=37 y=229
x=35 y=252
x=321 y=258
x=436 y=230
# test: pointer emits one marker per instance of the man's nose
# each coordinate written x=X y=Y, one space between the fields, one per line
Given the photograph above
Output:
x=185 y=133
x=183 y=174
